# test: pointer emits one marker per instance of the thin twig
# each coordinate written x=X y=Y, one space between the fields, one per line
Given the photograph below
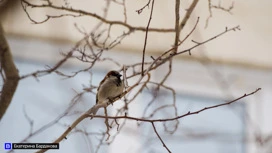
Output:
x=219 y=7
x=190 y=32
x=146 y=34
x=163 y=144
x=139 y=11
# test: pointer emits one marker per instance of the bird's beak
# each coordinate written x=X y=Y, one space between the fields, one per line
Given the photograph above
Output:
x=119 y=75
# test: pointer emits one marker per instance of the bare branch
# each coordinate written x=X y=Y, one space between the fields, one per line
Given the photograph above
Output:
x=11 y=73
x=56 y=66
x=181 y=116
x=29 y=120
x=81 y=12
x=47 y=16
x=188 y=14
x=182 y=41
x=177 y=28
x=204 y=42
x=146 y=34
x=164 y=57
x=219 y=7
x=139 y=11
x=160 y=137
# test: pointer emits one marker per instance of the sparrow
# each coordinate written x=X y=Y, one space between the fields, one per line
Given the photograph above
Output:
x=110 y=87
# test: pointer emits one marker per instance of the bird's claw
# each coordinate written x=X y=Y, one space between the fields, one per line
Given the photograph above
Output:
x=110 y=101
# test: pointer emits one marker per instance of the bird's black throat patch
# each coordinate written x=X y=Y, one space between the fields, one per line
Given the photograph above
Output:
x=118 y=81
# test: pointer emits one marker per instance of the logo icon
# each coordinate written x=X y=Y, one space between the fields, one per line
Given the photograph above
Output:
x=8 y=146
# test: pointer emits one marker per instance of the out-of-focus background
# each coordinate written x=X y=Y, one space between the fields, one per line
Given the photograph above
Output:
x=229 y=66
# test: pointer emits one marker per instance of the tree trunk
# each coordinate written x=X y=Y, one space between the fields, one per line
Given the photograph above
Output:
x=10 y=76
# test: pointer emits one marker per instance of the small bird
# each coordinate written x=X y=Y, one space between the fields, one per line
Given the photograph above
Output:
x=110 y=87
